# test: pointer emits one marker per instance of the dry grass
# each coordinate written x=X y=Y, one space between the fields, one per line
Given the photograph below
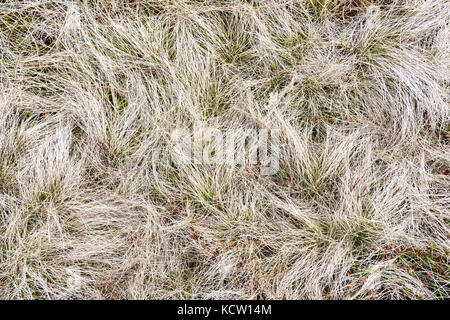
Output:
x=90 y=92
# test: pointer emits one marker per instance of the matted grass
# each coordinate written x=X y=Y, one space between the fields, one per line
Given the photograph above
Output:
x=90 y=92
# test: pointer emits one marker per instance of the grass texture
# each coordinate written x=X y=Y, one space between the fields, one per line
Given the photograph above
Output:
x=90 y=92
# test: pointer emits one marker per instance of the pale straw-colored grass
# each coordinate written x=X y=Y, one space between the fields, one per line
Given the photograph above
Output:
x=92 y=207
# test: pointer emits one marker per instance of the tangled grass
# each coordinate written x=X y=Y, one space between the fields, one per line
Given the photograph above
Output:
x=90 y=92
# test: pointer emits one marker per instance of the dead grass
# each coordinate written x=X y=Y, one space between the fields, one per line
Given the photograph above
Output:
x=92 y=207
